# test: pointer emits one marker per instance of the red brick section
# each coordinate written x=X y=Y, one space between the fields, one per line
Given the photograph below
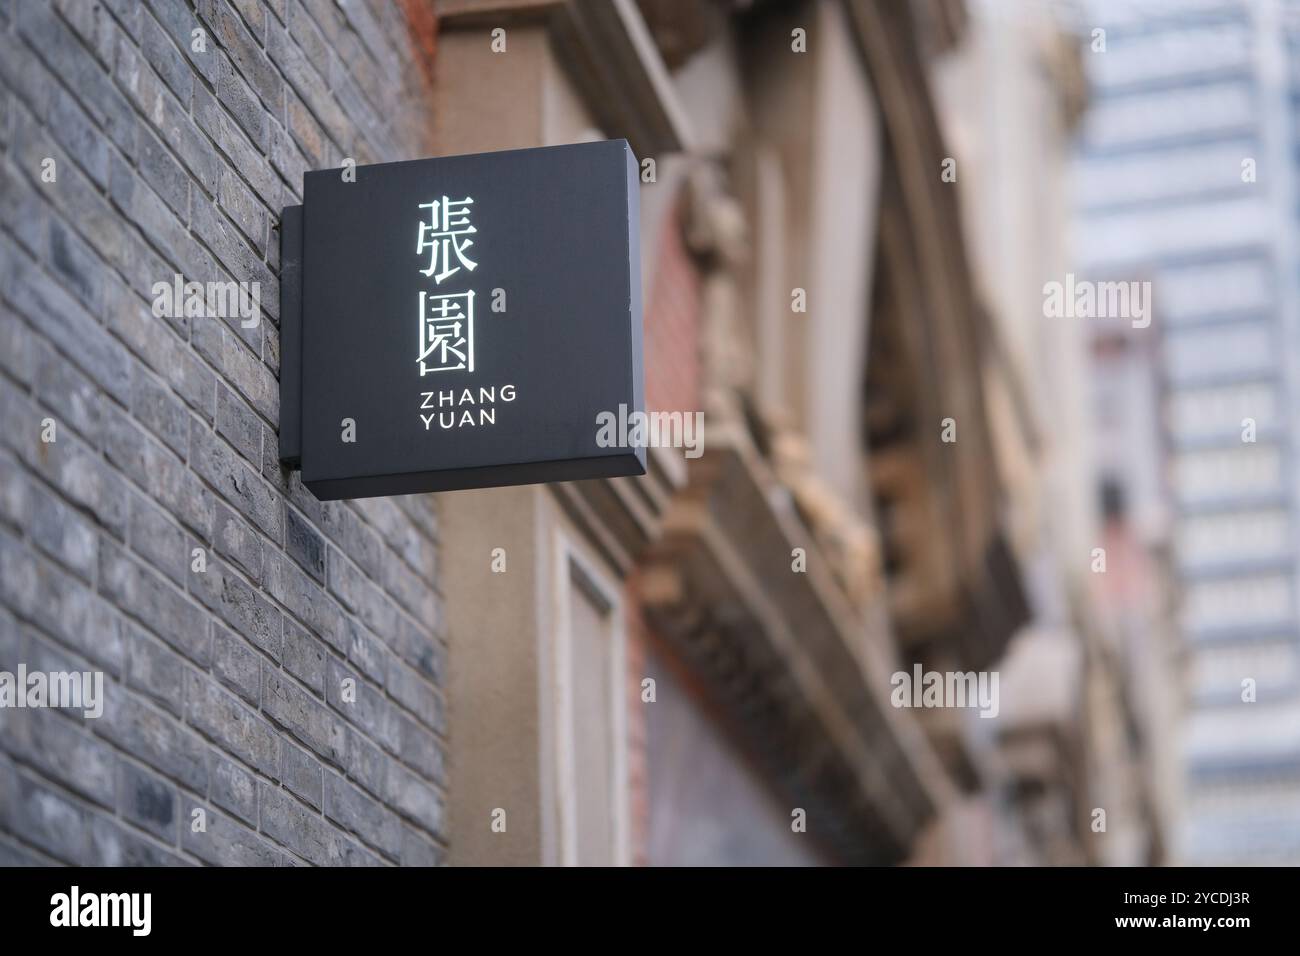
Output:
x=672 y=368
x=672 y=319
x=423 y=19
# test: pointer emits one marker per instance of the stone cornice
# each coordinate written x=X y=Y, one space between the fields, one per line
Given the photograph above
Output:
x=607 y=48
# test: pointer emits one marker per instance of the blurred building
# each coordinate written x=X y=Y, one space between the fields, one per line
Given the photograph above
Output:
x=1078 y=734
x=801 y=155
x=848 y=210
x=1187 y=179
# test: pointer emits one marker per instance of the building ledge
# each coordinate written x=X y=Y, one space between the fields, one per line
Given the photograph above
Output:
x=803 y=679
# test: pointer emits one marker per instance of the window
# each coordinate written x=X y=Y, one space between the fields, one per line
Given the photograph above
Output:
x=590 y=713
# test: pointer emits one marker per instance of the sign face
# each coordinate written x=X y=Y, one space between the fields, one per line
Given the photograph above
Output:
x=464 y=320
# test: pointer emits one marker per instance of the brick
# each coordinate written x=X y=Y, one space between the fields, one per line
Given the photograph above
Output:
x=359 y=814
x=422 y=510
x=22 y=71
x=308 y=134
x=243 y=208
x=147 y=800
x=61 y=532
x=357 y=594
x=357 y=541
x=254 y=14
x=76 y=197
x=238 y=424
x=132 y=321
x=154 y=536
x=290 y=823
x=114 y=845
x=305 y=599
x=164 y=229
x=400 y=535
x=66 y=391
x=226 y=842
x=160 y=473
x=75 y=131
x=368 y=654
x=75 y=265
x=222 y=347
x=370 y=710
x=419 y=851
x=415 y=693
x=222 y=718
x=367 y=765
x=160 y=411
x=15 y=490
x=164 y=174
x=248 y=612
x=422 y=752
x=235 y=481
x=302 y=774
x=289 y=161
x=167 y=61
x=88 y=21
x=367 y=27
x=63 y=749
x=236 y=665
x=234 y=789
x=411 y=592
x=9 y=815
x=304 y=656
x=175 y=127
x=235 y=539
x=306 y=718
x=157 y=604
x=313 y=43
x=127 y=13
x=51 y=821
x=232 y=142
x=223 y=684
x=156 y=671
x=179 y=24
x=304 y=544
x=13 y=855
x=244 y=53
x=57 y=45
x=239 y=98
x=63 y=321
x=417 y=800
x=154 y=737
x=16 y=349
x=376 y=141
x=309 y=85
x=64 y=607
x=72 y=467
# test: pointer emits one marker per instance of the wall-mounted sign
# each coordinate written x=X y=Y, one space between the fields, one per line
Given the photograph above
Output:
x=461 y=322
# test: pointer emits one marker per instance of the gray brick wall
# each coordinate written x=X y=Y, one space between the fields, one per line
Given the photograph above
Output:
x=224 y=688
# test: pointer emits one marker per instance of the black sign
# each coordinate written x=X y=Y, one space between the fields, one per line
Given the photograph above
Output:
x=461 y=322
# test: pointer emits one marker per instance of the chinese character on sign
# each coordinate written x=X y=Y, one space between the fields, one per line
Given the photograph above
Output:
x=441 y=236
x=446 y=332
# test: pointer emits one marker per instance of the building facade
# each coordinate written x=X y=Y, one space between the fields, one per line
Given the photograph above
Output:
x=150 y=533
x=696 y=666
x=1187 y=181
